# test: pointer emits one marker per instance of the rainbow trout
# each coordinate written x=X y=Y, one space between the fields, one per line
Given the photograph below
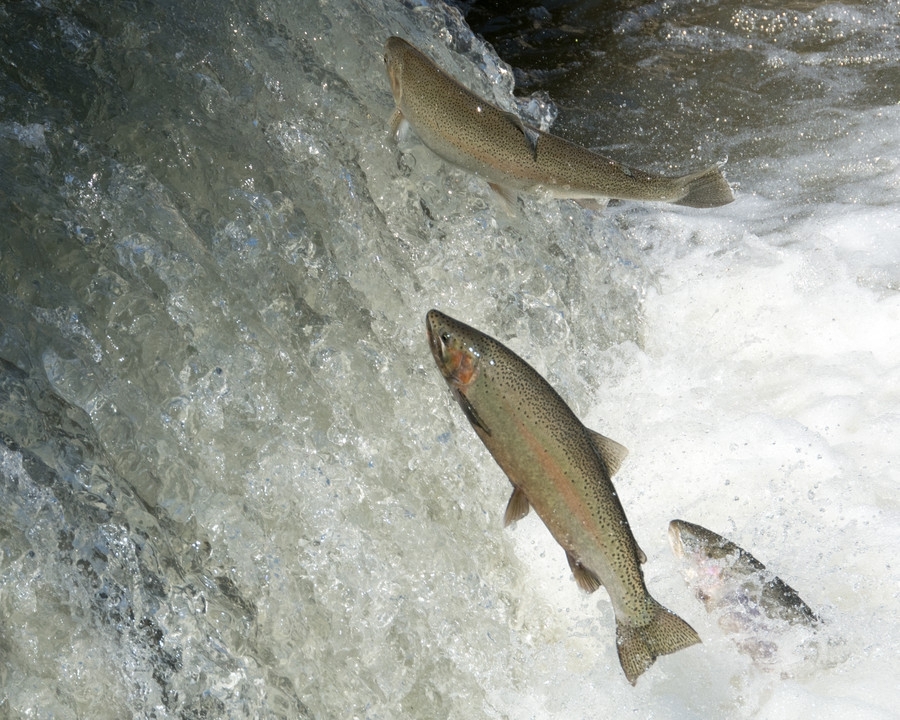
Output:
x=562 y=469
x=479 y=137
x=750 y=602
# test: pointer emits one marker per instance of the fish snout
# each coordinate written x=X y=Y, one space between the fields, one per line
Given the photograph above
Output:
x=675 y=539
x=393 y=63
x=440 y=340
x=434 y=338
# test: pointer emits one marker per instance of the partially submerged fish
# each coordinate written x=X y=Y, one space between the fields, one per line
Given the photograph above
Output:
x=562 y=469
x=477 y=136
x=749 y=600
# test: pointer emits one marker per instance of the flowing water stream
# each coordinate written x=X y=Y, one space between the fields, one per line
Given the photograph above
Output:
x=232 y=482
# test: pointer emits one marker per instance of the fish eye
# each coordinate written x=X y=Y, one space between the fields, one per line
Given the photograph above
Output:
x=445 y=337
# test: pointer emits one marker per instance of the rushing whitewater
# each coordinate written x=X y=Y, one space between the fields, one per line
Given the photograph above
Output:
x=230 y=485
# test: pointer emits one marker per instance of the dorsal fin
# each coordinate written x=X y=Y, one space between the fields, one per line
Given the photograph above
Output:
x=516 y=508
x=611 y=452
x=531 y=134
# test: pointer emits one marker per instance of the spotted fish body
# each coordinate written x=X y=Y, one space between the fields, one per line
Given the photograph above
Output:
x=477 y=136
x=562 y=469
x=750 y=602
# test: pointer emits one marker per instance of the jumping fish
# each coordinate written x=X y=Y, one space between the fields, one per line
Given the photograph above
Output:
x=562 y=469
x=479 y=137
x=749 y=600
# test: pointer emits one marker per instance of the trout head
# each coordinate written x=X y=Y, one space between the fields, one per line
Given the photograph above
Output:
x=707 y=559
x=395 y=49
x=457 y=357
x=455 y=347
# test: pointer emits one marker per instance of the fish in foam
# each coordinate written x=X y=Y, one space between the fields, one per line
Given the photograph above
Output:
x=477 y=136
x=561 y=469
x=749 y=601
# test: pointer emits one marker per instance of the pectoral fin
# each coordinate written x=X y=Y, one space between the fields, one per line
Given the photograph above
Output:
x=508 y=196
x=398 y=124
x=585 y=578
x=611 y=452
x=592 y=204
x=516 y=508
x=470 y=413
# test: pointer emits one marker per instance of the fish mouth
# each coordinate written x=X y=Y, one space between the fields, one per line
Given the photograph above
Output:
x=394 y=65
x=434 y=340
x=393 y=74
x=675 y=539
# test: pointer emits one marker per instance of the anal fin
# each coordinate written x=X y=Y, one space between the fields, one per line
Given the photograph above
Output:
x=586 y=580
x=516 y=508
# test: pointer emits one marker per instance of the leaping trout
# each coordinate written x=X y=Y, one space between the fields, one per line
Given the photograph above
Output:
x=479 y=137
x=562 y=469
x=750 y=602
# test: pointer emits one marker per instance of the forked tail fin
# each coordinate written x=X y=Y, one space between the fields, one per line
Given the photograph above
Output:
x=705 y=189
x=639 y=646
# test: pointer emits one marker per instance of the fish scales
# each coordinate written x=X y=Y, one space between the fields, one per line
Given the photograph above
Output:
x=548 y=420
x=727 y=577
x=562 y=468
x=473 y=134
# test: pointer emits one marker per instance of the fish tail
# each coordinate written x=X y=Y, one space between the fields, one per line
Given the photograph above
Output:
x=640 y=645
x=705 y=189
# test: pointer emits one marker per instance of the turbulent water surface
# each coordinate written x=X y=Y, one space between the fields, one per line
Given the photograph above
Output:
x=232 y=483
